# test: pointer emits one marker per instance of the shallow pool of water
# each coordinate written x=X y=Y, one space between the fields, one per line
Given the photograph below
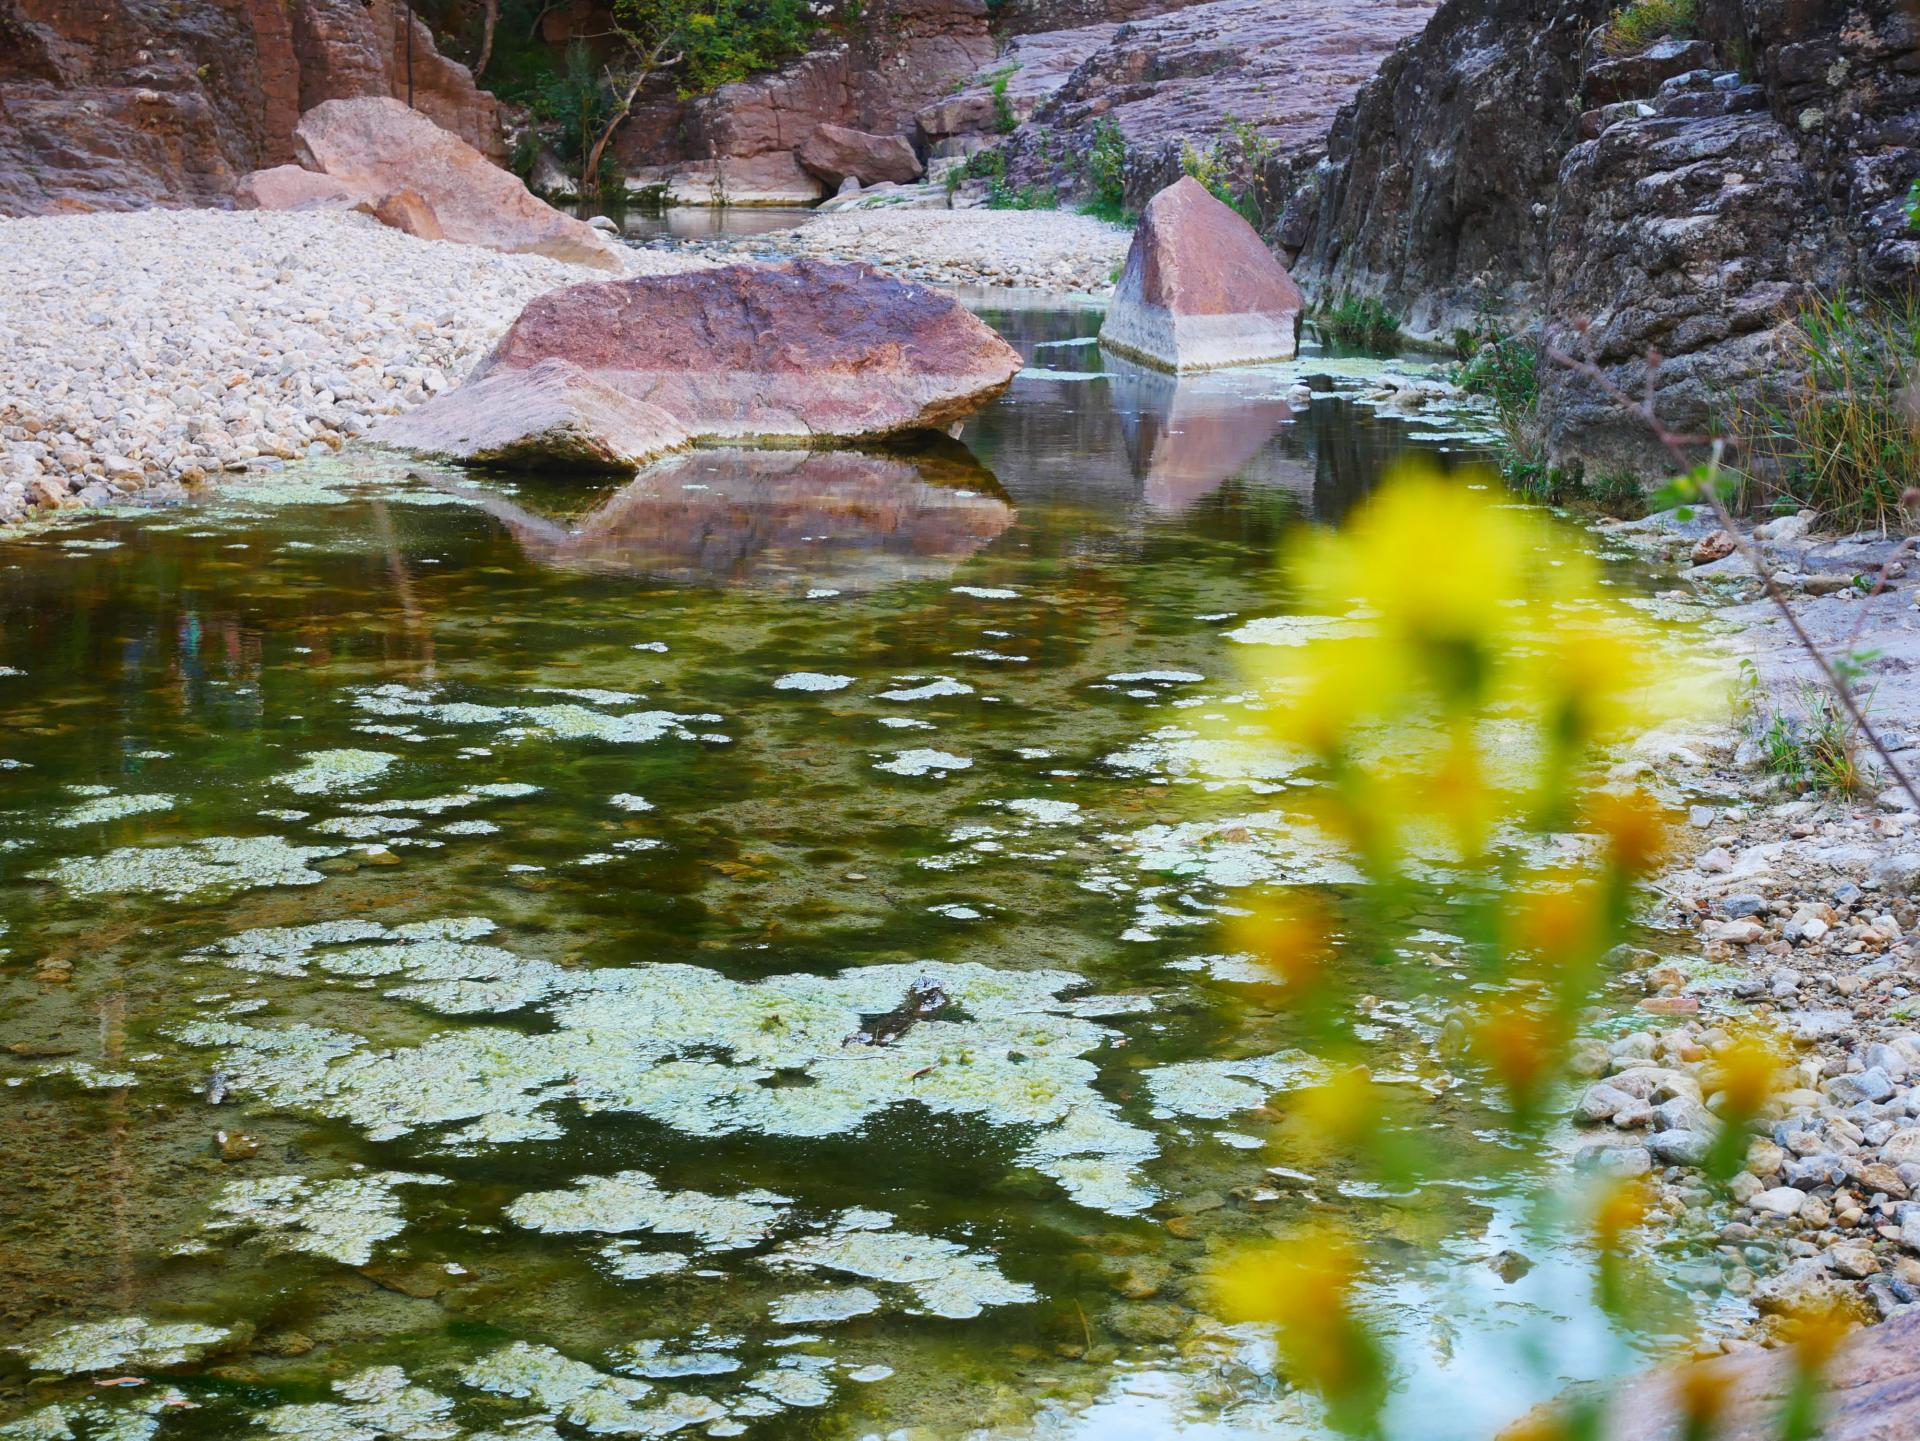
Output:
x=733 y=953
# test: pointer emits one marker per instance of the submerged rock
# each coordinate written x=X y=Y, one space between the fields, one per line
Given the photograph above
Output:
x=378 y=146
x=1872 y=1391
x=552 y=415
x=806 y=352
x=1200 y=289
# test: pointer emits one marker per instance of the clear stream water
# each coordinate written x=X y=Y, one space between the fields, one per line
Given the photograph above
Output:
x=515 y=859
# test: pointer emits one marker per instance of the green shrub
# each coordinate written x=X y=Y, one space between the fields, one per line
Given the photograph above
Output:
x=1002 y=196
x=1507 y=371
x=1635 y=26
x=1815 y=750
x=1004 y=120
x=1843 y=440
x=1107 y=171
x=1364 y=321
x=988 y=164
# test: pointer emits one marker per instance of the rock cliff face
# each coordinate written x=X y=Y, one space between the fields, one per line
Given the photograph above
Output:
x=737 y=144
x=1259 y=77
x=1438 y=178
x=1501 y=171
x=1695 y=225
x=121 y=104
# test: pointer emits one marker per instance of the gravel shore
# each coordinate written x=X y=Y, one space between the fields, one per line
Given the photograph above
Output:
x=1055 y=250
x=142 y=352
x=1793 y=912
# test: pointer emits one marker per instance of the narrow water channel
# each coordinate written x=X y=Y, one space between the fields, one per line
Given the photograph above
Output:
x=734 y=953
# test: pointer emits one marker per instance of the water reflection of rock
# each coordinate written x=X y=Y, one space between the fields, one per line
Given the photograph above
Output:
x=844 y=519
x=1185 y=434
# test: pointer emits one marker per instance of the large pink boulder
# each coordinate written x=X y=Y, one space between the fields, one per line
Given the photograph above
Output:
x=807 y=352
x=288 y=187
x=834 y=153
x=550 y=416
x=379 y=146
x=1200 y=289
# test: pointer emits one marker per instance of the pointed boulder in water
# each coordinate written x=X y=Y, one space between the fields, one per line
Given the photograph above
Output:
x=1200 y=289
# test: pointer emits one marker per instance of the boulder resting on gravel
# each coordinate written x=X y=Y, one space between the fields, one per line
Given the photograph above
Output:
x=552 y=416
x=805 y=353
x=377 y=146
x=289 y=187
x=1200 y=290
x=837 y=154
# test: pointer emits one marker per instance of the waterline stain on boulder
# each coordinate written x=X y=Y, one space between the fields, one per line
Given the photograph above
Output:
x=1200 y=289
x=549 y=416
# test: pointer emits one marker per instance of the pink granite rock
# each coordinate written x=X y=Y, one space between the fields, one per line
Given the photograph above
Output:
x=835 y=153
x=806 y=352
x=549 y=416
x=379 y=146
x=1200 y=289
x=288 y=187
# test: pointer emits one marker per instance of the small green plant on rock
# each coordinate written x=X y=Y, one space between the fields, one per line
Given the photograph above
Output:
x=1813 y=749
x=1002 y=196
x=1106 y=169
x=1004 y=120
x=1635 y=26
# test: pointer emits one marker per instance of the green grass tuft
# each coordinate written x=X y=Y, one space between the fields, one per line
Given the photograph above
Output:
x=1635 y=26
x=1844 y=440
x=1363 y=321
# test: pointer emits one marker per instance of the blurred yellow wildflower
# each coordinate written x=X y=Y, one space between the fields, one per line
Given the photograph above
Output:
x=1745 y=1075
x=1620 y=1207
x=1472 y=659
x=1304 y=1289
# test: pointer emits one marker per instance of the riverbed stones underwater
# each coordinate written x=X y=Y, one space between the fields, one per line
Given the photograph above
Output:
x=647 y=897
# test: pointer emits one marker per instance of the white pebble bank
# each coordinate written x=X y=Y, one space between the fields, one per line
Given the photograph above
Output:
x=1039 y=249
x=146 y=350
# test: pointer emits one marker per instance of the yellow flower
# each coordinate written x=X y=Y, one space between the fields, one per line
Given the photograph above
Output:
x=1635 y=833
x=1746 y=1075
x=1293 y=936
x=1557 y=924
x=1620 y=1207
x=1703 y=1391
x=1343 y=1109
x=1436 y=562
x=1815 y=1333
x=1521 y=1048
x=1304 y=1289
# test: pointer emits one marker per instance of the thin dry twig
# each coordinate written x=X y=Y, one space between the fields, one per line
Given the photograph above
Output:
x=1677 y=445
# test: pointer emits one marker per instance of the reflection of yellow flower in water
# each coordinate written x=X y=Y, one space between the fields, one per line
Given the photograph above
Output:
x=1304 y=1289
